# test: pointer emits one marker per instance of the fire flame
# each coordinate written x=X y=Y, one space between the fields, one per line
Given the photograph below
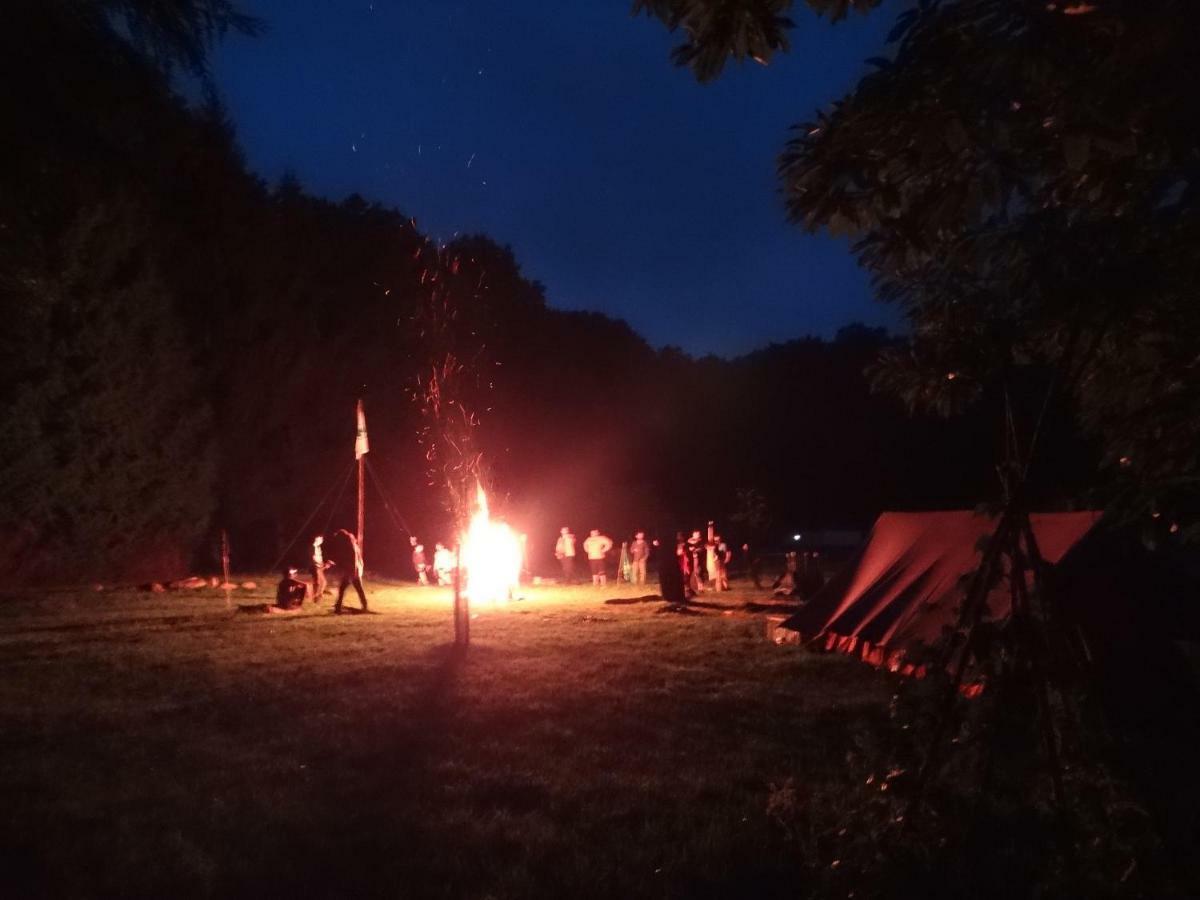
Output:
x=491 y=556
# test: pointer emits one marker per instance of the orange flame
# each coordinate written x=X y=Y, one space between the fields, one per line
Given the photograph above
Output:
x=491 y=556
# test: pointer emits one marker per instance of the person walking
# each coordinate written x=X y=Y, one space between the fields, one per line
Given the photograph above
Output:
x=596 y=546
x=564 y=552
x=639 y=553
x=348 y=558
x=318 y=567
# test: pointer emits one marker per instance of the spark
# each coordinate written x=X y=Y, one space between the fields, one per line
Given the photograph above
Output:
x=471 y=160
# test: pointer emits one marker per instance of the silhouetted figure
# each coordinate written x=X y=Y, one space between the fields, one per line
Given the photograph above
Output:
x=347 y=556
x=317 y=568
x=564 y=552
x=753 y=565
x=639 y=553
x=290 y=592
x=695 y=552
x=671 y=575
x=810 y=579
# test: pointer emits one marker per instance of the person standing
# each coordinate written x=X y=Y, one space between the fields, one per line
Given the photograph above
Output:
x=419 y=562
x=318 y=567
x=639 y=552
x=721 y=557
x=695 y=552
x=672 y=575
x=596 y=547
x=348 y=558
x=443 y=564
x=564 y=552
x=753 y=565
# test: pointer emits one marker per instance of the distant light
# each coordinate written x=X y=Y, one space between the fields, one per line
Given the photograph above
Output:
x=796 y=537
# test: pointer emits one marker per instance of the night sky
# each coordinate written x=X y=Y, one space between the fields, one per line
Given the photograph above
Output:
x=563 y=130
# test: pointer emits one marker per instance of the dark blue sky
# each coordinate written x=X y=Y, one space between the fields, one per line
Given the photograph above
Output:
x=562 y=129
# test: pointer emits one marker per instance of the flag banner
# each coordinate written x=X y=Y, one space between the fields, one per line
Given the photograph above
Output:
x=360 y=439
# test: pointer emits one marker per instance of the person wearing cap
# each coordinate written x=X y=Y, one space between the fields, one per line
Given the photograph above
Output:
x=564 y=552
x=596 y=546
x=639 y=552
x=290 y=592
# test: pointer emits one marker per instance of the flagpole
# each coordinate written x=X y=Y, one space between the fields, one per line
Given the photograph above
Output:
x=360 y=451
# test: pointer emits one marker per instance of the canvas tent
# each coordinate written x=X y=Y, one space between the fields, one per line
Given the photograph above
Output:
x=905 y=587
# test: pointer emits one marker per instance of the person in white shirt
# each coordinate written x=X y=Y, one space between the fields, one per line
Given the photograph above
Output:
x=443 y=564
x=596 y=547
x=564 y=552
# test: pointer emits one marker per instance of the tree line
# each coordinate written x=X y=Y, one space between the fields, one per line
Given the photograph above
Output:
x=185 y=344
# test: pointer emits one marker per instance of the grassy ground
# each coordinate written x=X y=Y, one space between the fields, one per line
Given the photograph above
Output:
x=168 y=742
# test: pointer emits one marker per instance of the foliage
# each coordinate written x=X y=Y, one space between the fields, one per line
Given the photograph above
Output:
x=106 y=457
x=719 y=30
x=1018 y=177
x=172 y=33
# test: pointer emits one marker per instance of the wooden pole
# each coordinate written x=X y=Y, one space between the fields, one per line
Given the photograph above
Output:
x=361 y=497
x=225 y=564
x=462 y=613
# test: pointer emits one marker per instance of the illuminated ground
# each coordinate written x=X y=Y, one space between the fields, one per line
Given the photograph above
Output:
x=156 y=741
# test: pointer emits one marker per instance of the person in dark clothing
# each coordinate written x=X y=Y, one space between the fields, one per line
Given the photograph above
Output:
x=671 y=576
x=290 y=592
x=347 y=556
x=753 y=565
x=811 y=580
x=696 y=573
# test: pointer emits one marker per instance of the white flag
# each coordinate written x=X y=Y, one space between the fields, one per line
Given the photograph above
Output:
x=360 y=438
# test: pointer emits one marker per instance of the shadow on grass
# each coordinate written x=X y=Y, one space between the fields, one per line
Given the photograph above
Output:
x=629 y=601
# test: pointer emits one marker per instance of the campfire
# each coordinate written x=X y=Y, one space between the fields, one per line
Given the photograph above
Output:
x=491 y=556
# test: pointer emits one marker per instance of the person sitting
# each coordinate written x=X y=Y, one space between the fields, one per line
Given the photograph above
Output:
x=291 y=591
x=785 y=585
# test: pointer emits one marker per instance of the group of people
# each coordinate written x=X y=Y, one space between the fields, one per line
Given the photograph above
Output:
x=438 y=571
x=596 y=547
x=702 y=562
x=343 y=553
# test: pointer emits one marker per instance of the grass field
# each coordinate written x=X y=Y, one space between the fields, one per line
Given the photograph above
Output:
x=166 y=744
